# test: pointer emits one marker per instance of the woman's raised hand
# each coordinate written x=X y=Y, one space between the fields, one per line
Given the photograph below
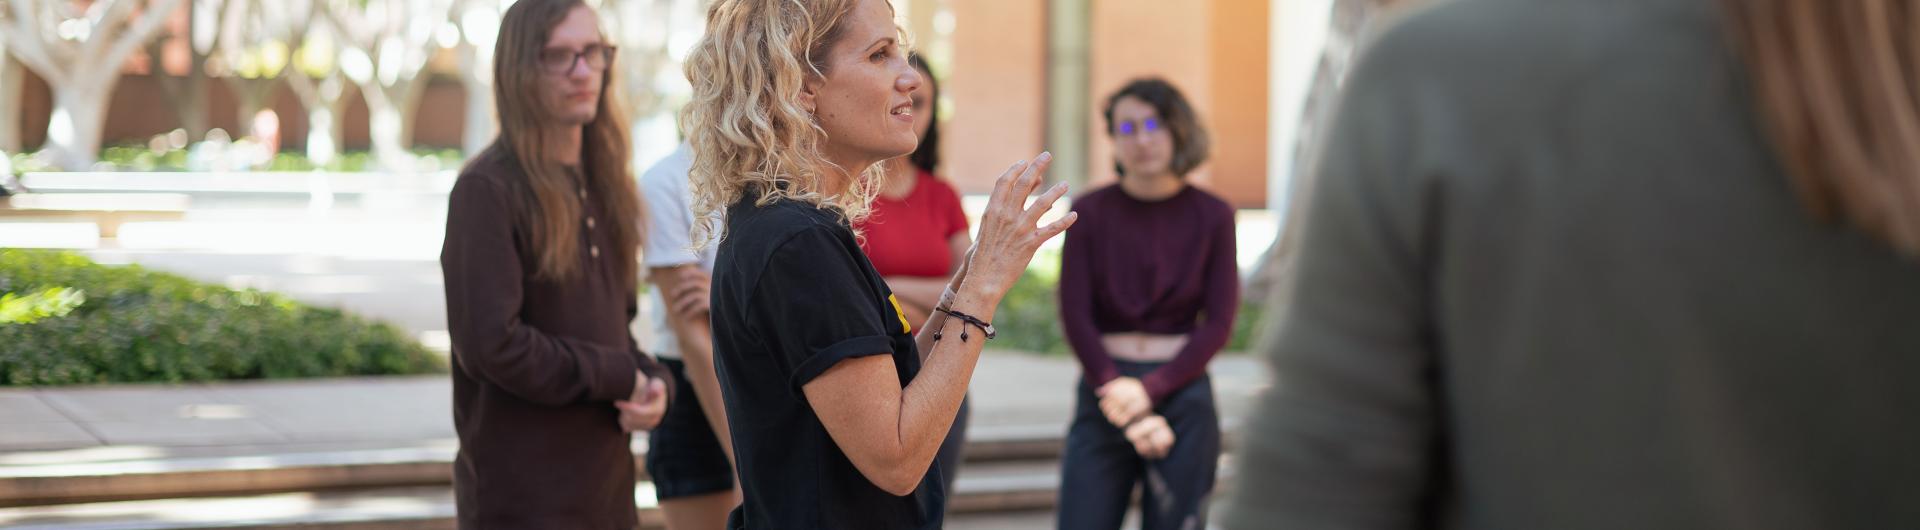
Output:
x=1009 y=232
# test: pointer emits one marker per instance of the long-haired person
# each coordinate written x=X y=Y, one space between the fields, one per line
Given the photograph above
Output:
x=916 y=234
x=1585 y=265
x=837 y=406
x=540 y=275
x=1148 y=292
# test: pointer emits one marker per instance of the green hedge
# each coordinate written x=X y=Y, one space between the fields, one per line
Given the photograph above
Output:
x=67 y=320
x=1029 y=316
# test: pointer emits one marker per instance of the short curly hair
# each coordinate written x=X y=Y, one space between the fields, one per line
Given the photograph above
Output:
x=1190 y=140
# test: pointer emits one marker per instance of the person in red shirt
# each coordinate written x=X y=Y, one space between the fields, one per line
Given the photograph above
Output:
x=917 y=235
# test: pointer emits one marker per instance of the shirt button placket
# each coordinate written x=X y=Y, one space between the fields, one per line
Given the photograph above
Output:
x=593 y=250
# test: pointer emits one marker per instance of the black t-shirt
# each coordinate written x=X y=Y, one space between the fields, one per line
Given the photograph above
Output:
x=792 y=296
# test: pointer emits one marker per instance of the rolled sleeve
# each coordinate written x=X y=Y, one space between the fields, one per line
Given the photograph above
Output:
x=821 y=360
x=820 y=305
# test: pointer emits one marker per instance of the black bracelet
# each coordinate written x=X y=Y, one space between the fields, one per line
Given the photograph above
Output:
x=967 y=320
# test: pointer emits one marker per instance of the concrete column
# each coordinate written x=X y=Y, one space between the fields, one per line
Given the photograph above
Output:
x=1069 y=39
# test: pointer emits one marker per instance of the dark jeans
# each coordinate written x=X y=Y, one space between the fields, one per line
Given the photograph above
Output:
x=1101 y=468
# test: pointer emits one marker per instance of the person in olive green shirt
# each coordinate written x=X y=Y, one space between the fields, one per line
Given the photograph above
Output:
x=1640 y=264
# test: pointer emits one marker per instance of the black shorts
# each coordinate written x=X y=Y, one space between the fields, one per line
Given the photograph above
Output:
x=684 y=458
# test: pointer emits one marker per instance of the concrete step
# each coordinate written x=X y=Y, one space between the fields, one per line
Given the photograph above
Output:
x=97 y=475
x=990 y=496
x=1006 y=489
x=224 y=475
x=424 y=507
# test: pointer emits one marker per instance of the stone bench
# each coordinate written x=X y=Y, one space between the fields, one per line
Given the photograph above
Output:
x=106 y=210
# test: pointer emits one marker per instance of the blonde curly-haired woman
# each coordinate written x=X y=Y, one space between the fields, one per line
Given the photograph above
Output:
x=837 y=407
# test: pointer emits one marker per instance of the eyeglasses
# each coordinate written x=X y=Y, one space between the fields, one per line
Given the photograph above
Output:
x=561 y=60
x=1127 y=128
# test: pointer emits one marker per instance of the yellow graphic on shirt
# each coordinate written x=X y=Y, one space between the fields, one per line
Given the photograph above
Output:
x=902 y=315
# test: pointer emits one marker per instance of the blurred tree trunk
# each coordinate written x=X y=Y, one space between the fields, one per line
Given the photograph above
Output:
x=476 y=76
x=256 y=47
x=479 y=22
x=81 y=71
x=12 y=84
x=326 y=106
x=186 y=94
x=643 y=29
x=313 y=74
x=391 y=114
x=250 y=95
x=387 y=44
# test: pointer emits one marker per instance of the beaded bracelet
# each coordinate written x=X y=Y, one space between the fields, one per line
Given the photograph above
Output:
x=969 y=320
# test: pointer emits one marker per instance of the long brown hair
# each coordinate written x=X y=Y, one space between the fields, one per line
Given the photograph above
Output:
x=551 y=205
x=926 y=156
x=1838 y=85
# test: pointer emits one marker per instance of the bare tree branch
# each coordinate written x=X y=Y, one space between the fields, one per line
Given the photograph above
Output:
x=351 y=32
x=82 y=73
x=49 y=15
x=126 y=42
x=20 y=19
x=228 y=39
x=303 y=86
x=105 y=21
x=24 y=41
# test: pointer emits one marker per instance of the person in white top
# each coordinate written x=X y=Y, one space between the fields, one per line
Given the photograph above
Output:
x=689 y=455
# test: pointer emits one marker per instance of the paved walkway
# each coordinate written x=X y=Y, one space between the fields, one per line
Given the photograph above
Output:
x=377 y=260
x=131 y=422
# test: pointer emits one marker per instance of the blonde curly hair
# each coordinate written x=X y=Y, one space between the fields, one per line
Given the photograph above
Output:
x=746 y=124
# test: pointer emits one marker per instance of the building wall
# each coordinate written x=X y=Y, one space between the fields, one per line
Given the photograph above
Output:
x=1215 y=52
x=997 y=83
x=1238 y=53
x=1142 y=38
